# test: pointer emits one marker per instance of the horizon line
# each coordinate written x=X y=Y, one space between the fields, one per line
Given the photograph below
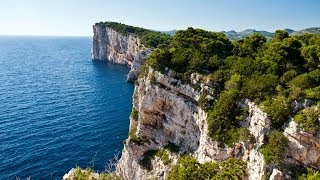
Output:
x=43 y=35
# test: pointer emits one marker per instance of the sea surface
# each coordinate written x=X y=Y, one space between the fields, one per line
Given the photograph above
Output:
x=58 y=108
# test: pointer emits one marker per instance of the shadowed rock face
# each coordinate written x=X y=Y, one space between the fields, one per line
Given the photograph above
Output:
x=109 y=45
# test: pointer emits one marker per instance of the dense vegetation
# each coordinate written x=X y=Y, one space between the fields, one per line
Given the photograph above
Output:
x=276 y=149
x=274 y=74
x=309 y=119
x=310 y=175
x=148 y=38
x=188 y=168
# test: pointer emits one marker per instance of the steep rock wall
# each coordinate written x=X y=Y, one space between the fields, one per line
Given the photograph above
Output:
x=169 y=112
x=115 y=47
x=304 y=148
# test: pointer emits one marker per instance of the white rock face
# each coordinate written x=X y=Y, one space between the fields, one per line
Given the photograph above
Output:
x=303 y=147
x=112 y=46
x=259 y=125
x=276 y=175
x=168 y=112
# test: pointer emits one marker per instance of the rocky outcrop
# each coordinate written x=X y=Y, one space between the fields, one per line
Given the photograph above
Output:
x=304 y=148
x=169 y=113
x=277 y=175
x=260 y=126
x=72 y=173
x=115 y=47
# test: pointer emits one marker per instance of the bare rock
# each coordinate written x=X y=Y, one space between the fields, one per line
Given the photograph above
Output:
x=109 y=45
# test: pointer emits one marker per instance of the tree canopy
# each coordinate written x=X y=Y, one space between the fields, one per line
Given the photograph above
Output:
x=149 y=38
x=274 y=74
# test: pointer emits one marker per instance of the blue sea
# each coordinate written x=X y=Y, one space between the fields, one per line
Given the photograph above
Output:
x=58 y=108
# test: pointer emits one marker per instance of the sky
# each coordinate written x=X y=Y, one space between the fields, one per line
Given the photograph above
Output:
x=76 y=17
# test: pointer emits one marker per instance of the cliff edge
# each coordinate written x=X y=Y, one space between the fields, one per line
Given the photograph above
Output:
x=110 y=45
x=208 y=108
x=168 y=115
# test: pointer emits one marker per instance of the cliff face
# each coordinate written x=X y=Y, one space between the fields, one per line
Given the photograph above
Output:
x=168 y=113
x=115 y=47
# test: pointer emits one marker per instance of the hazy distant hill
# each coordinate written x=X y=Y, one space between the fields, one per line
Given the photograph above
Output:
x=239 y=35
x=171 y=33
x=242 y=34
x=308 y=30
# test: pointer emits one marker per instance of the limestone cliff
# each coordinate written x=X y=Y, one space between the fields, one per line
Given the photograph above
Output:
x=168 y=113
x=115 y=47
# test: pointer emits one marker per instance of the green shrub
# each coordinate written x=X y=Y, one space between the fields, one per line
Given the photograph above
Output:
x=232 y=168
x=260 y=86
x=153 y=80
x=136 y=139
x=133 y=137
x=244 y=134
x=288 y=76
x=236 y=135
x=233 y=83
x=80 y=174
x=145 y=162
x=202 y=100
x=223 y=117
x=148 y=156
x=306 y=83
x=295 y=171
x=275 y=150
x=163 y=155
x=311 y=175
x=134 y=113
x=159 y=59
x=308 y=119
x=278 y=109
x=172 y=147
x=142 y=71
x=189 y=168
x=109 y=176
x=313 y=93
x=84 y=174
